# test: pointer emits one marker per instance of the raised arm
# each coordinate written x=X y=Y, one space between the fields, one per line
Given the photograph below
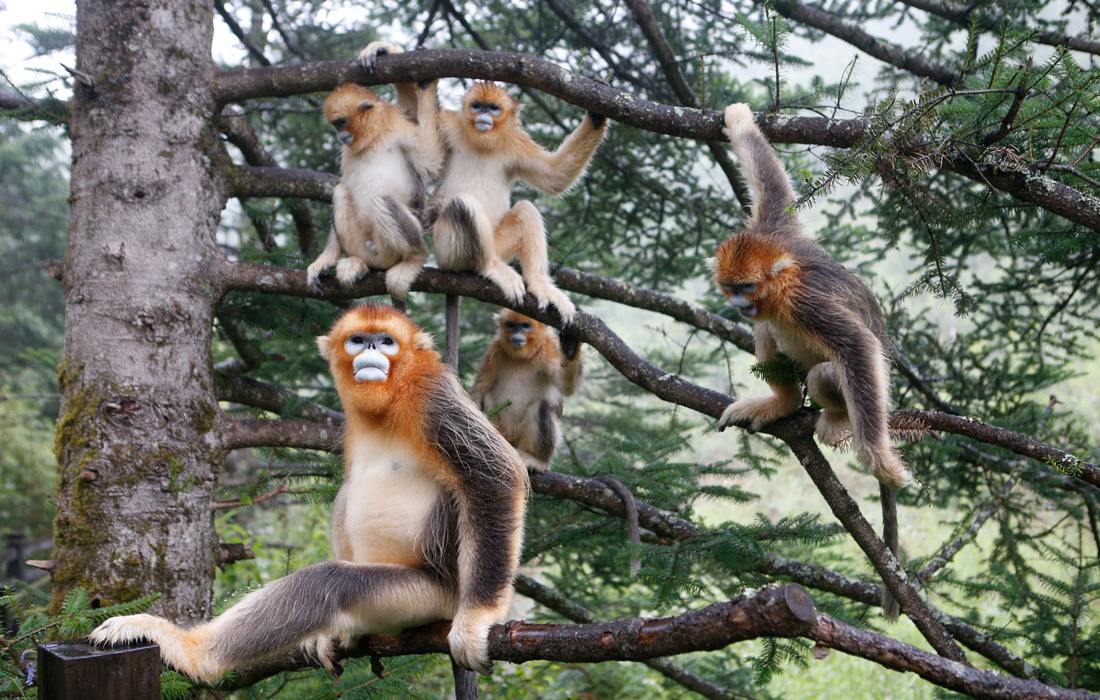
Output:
x=771 y=187
x=556 y=172
x=406 y=92
x=488 y=482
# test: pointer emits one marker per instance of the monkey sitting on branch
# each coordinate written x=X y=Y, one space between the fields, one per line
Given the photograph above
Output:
x=804 y=304
x=476 y=228
x=524 y=377
x=427 y=525
x=389 y=151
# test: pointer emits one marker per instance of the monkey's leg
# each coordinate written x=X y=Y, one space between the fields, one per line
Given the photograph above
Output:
x=823 y=384
x=397 y=235
x=521 y=234
x=464 y=241
x=310 y=608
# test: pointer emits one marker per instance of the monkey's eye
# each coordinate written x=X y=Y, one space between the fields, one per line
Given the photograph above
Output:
x=355 y=344
x=339 y=123
x=525 y=326
x=493 y=110
x=365 y=105
x=387 y=345
x=748 y=288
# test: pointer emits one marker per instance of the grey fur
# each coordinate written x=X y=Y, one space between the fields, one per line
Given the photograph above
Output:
x=547 y=432
x=467 y=253
x=407 y=223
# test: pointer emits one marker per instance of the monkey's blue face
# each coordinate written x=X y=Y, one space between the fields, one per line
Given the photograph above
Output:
x=371 y=353
x=485 y=115
x=518 y=332
x=739 y=297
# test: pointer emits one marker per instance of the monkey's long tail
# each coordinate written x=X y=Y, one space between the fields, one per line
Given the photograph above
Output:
x=451 y=340
x=634 y=531
x=308 y=608
x=889 y=497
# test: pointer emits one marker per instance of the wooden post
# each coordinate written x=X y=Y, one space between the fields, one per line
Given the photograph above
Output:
x=79 y=671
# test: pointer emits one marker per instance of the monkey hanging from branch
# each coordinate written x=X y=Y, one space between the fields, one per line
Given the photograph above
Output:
x=426 y=526
x=389 y=151
x=804 y=304
x=475 y=226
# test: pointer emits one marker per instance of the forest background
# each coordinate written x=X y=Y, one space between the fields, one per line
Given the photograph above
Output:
x=990 y=300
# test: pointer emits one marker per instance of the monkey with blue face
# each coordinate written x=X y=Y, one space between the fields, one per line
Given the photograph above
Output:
x=526 y=373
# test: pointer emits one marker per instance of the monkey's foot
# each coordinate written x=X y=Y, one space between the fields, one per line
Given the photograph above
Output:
x=508 y=280
x=368 y=57
x=314 y=273
x=187 y=651
x=322 y=648
x=753 y=413
x=547 y=293
x=400 y=278
x=469 y=639
x=739 y=121
x=349 y=270
x=833 y=430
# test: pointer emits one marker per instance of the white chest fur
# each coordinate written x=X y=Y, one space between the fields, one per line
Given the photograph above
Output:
x=386 y=499
x=381 y=171
x=796 y=346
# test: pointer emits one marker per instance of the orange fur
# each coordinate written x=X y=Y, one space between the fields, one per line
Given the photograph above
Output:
x=367 y=125
x=748 y=258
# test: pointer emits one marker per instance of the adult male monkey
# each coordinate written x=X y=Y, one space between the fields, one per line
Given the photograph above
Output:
x=476 y=227
x=426 y=526
x=389 y=150
x=807 y=306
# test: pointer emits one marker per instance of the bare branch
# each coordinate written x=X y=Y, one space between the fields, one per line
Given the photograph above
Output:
x=525 y=585
x=261 y=181
x=651 y=28
x=992 y=22
x=237 y=433
x=252 y=392
x=865 y=42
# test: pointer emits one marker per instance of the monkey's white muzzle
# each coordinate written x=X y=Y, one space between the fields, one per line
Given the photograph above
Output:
x=483 y=122
x=371 y=366
x=346 y=137
x=518 y=340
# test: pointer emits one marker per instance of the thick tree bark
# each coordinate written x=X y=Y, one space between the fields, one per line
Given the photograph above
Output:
x=135 y=441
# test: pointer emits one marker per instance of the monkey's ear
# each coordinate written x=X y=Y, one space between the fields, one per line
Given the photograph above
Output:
x=423 y=341
x=712 y=264
x=324 y=345
x=781 y=264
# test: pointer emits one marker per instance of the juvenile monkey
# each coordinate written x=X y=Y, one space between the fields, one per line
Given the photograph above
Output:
x=427 y=525
x=807 y=306
x=529 y=370
x=476 y=227
x=388 y=152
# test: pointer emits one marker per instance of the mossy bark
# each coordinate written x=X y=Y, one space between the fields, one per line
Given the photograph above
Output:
x=135 y=445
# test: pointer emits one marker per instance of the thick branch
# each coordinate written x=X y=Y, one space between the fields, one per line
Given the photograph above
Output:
x=775 y=611
x=525 y=585
x=253 y=392
x=263 y=181
x=992 y=22
x=651 y=28
x=237 y=433
x=865 y=42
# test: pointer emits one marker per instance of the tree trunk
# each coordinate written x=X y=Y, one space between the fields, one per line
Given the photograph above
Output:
x=135 y=443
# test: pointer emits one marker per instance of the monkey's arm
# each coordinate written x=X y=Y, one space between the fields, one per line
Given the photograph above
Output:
x=771 y=187
x=427 y=146
x=572 y=363
x=486 y=376
x=759 y=410
x=406 y=92
x=326 y=259
x=556 y=172
x=489 y=485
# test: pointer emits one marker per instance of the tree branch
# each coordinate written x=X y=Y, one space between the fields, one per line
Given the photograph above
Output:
x=263 y=181
x=571 y=610
x=865 y=42
x=992 y=22
x=775 y=611
x=238 y=433
x=666 y=58
x=252 y=392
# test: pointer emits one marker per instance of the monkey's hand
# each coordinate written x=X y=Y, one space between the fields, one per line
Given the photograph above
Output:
x=469 y=639
x=368 y=57
x=315 y=273
x=598 y=120
x=570 y=344
x=739 y=121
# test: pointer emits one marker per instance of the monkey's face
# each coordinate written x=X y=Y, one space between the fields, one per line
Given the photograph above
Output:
x=755 y=275
x=373 y=351
x=357 y=115
x=486 y=108
x=521 y=337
